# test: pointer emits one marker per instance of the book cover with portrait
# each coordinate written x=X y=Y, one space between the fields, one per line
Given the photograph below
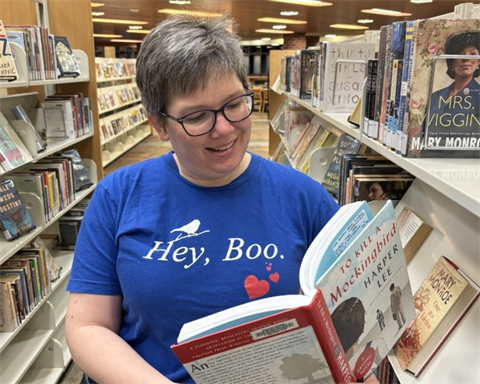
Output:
x=444 y=102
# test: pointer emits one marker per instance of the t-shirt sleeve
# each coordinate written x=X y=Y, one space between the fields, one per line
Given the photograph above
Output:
x=96 y=250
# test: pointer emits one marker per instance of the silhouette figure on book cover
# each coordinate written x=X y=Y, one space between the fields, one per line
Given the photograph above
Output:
x=396 y=305
x=454 y=118
x=381 y=319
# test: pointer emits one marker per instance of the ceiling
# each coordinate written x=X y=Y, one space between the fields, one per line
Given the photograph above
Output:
x=246 y=13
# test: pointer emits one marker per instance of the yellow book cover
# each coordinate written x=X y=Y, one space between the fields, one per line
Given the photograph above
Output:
x=433 y=300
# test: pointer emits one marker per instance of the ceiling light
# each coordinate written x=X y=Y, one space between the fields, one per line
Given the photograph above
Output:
x=308 y=3
x=134 y=10
x=275 y=44
x=145 y=31
x=385 y=12
x=93 y=5
x=279 y=26
x=135 y=27
x=266 y=30
x=183 y=11
x=347 y=26
x=119 y=21
x=98 y=13
x=365 y=21
x=266 y=38
x=180 y=2
x=285 y=21
x=106 y=35
x=289 y=13
x=330 y=35
x=420 y=1
x=125 y=41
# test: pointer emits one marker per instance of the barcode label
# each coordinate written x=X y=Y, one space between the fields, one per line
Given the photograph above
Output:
x=273 y=330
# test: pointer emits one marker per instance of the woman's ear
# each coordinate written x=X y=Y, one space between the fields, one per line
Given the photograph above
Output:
x=159 y=126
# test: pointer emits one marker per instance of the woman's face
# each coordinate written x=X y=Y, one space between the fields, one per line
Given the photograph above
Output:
x=216 y=157
x=375 y=192
x=466 y=67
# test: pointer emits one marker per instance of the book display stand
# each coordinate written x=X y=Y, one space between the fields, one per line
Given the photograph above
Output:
x=446 y=193
x=36 y=351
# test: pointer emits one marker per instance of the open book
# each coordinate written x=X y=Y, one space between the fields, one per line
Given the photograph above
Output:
x=355 y=304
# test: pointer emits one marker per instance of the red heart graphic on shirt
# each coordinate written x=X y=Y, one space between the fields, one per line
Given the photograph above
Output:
x=274 y=277
x=256 y=288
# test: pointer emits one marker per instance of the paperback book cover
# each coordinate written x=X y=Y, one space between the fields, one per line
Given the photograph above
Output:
x=8 y=69
x=441 y=301
x=453 y=121
x=66 y=62
x=295 y=337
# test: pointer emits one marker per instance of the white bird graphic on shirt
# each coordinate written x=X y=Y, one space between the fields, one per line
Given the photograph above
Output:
x=190 y=228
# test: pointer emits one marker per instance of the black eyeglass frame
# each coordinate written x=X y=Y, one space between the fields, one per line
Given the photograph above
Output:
x=215 y=113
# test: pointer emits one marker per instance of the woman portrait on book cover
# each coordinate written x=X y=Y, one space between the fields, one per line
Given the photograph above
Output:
x=454 y=116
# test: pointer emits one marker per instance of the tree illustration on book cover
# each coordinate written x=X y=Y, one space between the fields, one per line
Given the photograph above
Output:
x=454 y=118
x=370 y=278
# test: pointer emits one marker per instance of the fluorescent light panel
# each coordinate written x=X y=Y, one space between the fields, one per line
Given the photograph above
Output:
x=144 y=31
x=421 y=1
x=347 y=26
x=266 y=30
x=94 y=5
x=289 y=13
x=284 y=21
x=125 y=41
x=98 y=13
x=365 y=21
x=385 y=12
x=106 y=35
x=182 y=11
x=180 y=2
x=308 y=3
x=119 y=21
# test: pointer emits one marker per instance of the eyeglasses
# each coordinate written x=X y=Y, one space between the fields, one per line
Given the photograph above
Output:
x=201 y=122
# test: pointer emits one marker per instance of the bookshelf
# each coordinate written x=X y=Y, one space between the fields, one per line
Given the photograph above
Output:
x=37 y=350
x=446 y=193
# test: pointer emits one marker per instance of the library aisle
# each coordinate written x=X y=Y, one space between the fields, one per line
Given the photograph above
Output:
x=152 y=146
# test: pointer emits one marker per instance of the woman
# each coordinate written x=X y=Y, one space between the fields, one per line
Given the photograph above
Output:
x=187 y=234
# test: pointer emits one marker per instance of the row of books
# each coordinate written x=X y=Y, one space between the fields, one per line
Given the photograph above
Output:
x=25 y=280
x=55 y=180
x=48 y=56
x=108 y=69
x=422 y=95
x=117 y=96
x=120 y=122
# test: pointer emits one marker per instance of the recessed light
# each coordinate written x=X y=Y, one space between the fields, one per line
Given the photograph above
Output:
x=144 y=31
x=330 y=35
x=119 y=21
x=347 y=26
x=285 y=21
x=289 y=13
x=94 y=5
x=106 y=35
x=365 y=21
x=266 y=30
x=184 y=11
x=98 y=13
x=279 y=26
x=385 y=12
x=308 y=3
x=180 y=2
x=125 y=41
x=421 y=1
x=135 y=27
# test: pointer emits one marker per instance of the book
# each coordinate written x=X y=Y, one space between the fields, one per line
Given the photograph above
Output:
x=381 y=187
x=13 y=152
x=441 y=301
x=8 y=305
x=344 y=72
x=66 y=62
x=293 y=336
x=8 y=69
x=20 y=114
x=346 y=145
x=15 y=219
x=453 y=121
x=413 y=231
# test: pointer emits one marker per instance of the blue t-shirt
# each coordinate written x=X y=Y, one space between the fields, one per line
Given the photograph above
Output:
x=176 y=251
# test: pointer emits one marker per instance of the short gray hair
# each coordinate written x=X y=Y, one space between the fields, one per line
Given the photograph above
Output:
x=181 y=54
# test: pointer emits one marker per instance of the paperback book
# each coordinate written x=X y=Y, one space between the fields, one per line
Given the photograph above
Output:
x=8 y=69
x=303 y=337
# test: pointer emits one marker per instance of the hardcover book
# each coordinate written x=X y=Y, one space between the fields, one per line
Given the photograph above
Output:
x=8 y=69
x=66 y=62
x=441 y=301
x=15 y=219
x=449 y=109
x=296 y=337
